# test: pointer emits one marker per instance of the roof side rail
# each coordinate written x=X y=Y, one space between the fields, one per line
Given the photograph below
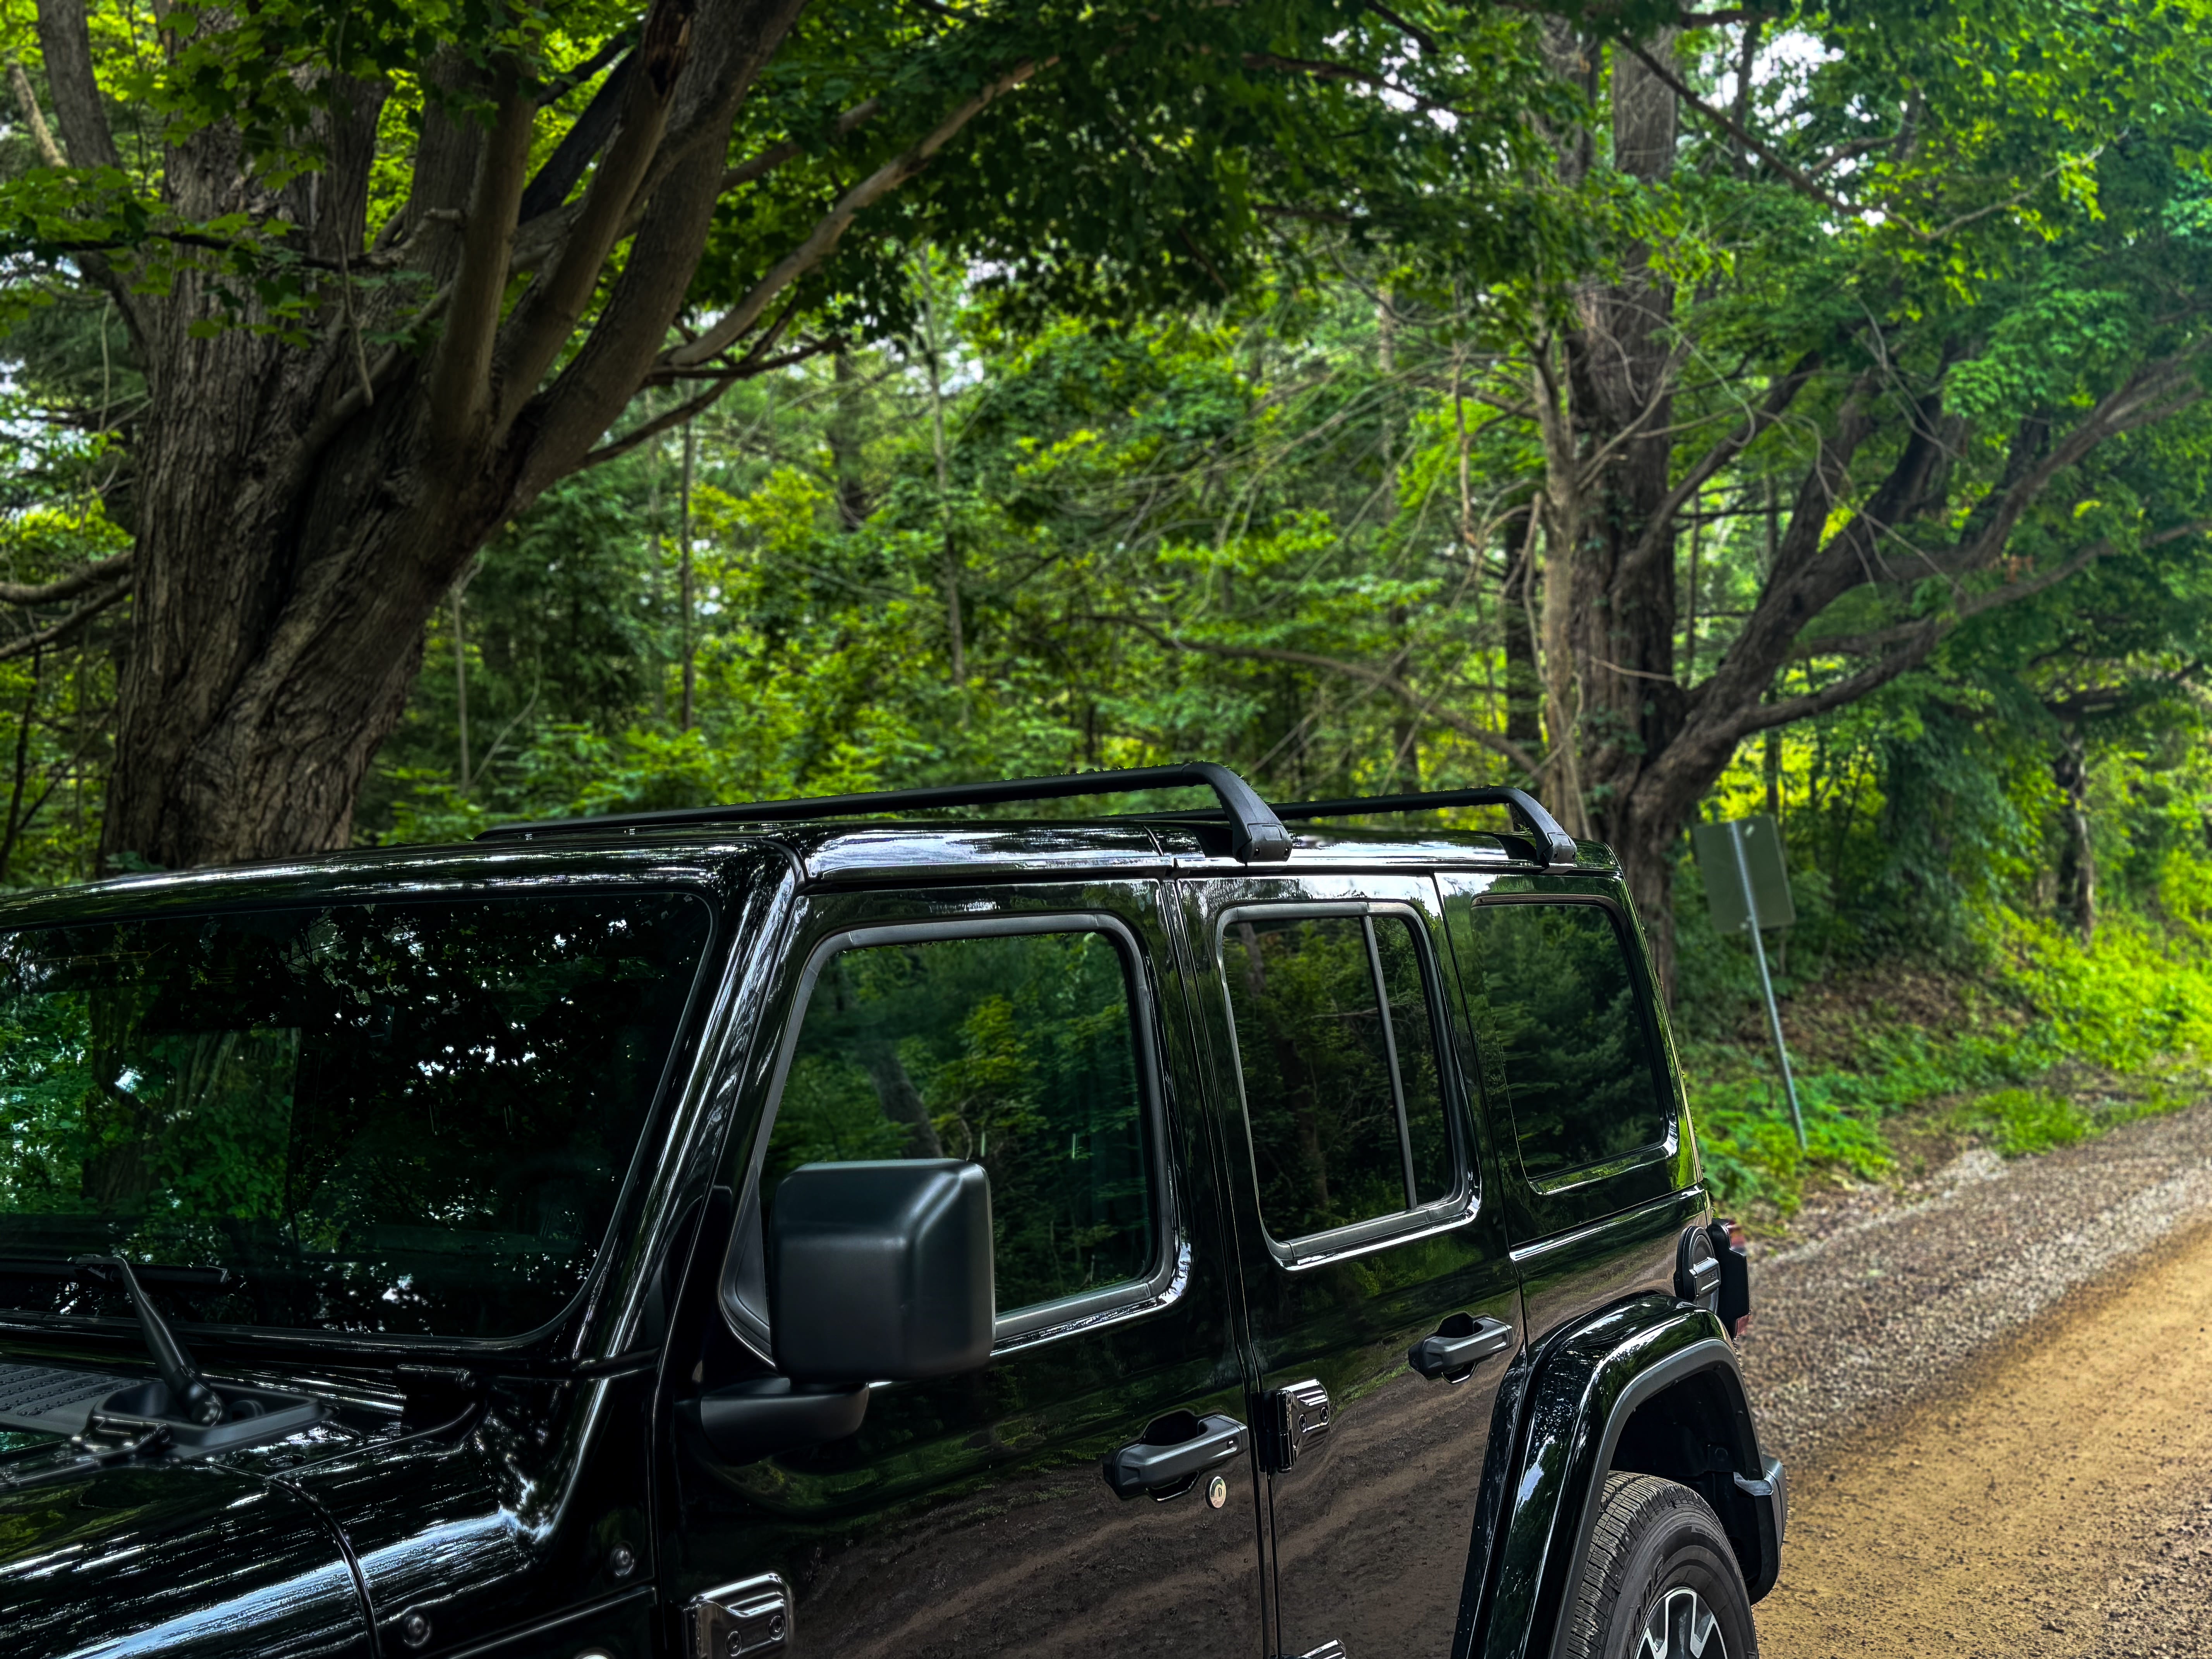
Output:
x=1256 y=835
x=1555 y=847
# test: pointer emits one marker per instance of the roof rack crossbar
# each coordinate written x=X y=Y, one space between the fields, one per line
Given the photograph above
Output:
x=1256 y=835
x=1555 y=847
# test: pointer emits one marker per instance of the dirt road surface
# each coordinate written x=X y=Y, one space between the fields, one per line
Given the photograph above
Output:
x=1996 y=1401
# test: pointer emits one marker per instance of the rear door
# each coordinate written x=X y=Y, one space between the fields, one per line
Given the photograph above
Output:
x=1041 y=1032
x=1354 y=1172
x=1575 y=1072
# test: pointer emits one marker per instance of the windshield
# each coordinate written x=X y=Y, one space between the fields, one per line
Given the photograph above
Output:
x=391 y=1119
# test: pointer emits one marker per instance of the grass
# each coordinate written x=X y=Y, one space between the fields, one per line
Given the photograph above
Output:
x=2054 y=1042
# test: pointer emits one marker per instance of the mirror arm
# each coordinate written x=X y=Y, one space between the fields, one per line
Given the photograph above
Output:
x=747 y=1421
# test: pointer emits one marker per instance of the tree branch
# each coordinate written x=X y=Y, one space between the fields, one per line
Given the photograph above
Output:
x=616 y=448
x=460 y=390
x=67 y=626
x=2132 y=405
x=732 y=40
x=1922 y=638
x=760 y=166
x=1322 y=69
x=734 y=324
x=1805 y=183
x=1419 y=37
x=114 y=569
x=749 y=366
x=549 y=312
x=42 y=138
x=1659 y=525
x=65 y=42
x=566 y=165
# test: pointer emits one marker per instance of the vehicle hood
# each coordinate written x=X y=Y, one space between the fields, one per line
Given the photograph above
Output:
x=174 y=1559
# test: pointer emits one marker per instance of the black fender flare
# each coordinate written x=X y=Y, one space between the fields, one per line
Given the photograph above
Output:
x=1574 y=1398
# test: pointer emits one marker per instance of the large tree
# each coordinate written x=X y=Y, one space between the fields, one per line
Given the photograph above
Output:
x=1940 y=292
x=390 y=272
x=1928 y=299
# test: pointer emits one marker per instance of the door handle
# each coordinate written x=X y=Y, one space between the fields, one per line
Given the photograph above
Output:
x=1193 y=1445
x=1461 y=1343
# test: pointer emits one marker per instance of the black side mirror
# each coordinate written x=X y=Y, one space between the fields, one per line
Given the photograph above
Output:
x=881 y=1272
x=877 y=1273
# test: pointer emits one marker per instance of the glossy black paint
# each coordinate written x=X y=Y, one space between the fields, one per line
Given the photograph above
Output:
x=178 y=1559
x=528 y=1472
x=1560 y=1404
x=541 y=1498
x=1370 y=1529
x=972 y=1513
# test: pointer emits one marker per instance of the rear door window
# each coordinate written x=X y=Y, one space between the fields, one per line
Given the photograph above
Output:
x=1557 y=1006
x=1337 y=1056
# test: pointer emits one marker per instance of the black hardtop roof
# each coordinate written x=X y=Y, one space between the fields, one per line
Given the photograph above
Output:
x=828 y=845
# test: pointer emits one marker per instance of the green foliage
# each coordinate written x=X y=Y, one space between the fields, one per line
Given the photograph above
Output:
x=2025 y=1120
x=2075 y=1038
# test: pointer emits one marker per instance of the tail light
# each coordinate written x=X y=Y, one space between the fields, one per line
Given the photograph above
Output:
x=1732 y=1246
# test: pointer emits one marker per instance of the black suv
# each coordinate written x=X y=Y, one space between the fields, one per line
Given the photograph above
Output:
x=742 y=1232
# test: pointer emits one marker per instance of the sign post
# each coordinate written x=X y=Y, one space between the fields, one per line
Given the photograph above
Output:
x=1747 y=887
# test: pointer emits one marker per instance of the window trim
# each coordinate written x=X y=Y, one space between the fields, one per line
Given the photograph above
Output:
x=1643 y=1155
x=1416 y=1220
x=743 y=1277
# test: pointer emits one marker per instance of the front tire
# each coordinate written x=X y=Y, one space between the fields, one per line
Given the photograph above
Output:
x=1661 y=1582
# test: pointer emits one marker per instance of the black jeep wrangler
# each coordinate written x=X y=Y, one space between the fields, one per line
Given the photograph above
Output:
x=757 y=1231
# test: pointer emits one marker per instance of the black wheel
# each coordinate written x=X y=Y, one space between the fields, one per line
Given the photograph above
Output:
x=1661 y=1582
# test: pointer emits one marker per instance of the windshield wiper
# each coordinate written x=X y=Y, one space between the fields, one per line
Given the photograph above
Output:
x=149 y=1273
x=190 y=1397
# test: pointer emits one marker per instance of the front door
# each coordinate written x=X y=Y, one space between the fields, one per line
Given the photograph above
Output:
x=1382 y=1305
x=1044 y=1033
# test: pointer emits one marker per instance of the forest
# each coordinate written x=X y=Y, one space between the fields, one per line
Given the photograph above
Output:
x=1681 y=413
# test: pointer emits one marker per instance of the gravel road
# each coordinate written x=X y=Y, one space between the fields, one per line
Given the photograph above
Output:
x=1995 y=1395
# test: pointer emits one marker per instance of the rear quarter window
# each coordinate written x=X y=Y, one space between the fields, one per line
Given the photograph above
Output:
x=1558 y=1002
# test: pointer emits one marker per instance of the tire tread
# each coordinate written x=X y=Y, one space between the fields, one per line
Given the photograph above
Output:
x=1627 y=1505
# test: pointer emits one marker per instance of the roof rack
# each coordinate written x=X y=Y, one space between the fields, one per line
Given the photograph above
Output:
x=1256 y=832
x=1256 y=835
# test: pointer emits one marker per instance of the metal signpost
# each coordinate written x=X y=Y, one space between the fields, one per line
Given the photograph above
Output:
x=1747 y=887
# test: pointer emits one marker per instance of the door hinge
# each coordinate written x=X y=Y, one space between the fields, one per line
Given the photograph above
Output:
x=751 y=1616
x=1297 y=1415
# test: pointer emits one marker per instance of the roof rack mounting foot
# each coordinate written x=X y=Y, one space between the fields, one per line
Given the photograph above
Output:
x=1555 y=849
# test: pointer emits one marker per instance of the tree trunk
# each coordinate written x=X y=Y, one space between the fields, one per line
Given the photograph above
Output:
x=1622 y=370
x=2077 y=854
x=844 y=436
x=1612 y=701
x=1524 y=688
x=303 y=508
x=275 y=628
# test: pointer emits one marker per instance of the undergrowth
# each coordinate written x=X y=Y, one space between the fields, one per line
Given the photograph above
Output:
x=2048 y=1040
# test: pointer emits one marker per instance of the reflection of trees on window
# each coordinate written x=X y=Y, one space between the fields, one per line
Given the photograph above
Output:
x=1324 y=1071
x=389 y=1117
x=1555 y=1001
x=1016 y=1052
